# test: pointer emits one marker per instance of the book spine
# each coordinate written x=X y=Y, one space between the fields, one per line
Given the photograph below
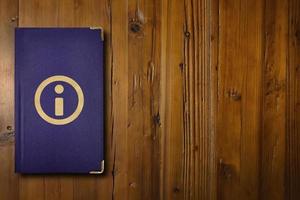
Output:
x=17 y=109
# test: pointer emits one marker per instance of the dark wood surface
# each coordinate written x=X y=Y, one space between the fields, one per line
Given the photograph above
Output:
x=201 y=99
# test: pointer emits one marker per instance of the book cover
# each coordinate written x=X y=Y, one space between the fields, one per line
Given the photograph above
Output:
x=59 y=100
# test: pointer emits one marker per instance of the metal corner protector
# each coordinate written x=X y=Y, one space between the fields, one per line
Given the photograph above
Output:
x=101 y=169
x=99 y=28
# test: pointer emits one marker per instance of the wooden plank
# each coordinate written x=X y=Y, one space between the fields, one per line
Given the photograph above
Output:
x=120 y=138
x=162 y=104
x=198 y=166
x=143 y=93
x=272 y=172
x=239 y=98
x=9 y=186
x=293 y=97
x=188 y=142
x=173 y=97
x=214 y=68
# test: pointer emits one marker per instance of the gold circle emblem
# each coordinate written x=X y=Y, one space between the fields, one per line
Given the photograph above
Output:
x=40 y=89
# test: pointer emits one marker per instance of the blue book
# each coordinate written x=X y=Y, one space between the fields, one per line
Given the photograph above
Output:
x=59 y=100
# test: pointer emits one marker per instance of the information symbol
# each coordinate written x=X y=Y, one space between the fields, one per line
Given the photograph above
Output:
x=59 y=101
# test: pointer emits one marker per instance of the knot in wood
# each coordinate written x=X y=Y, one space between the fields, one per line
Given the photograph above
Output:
x=135 y=26
x=226 y=170
x=132 y=185
x=156 y=119
x=187 y=34
x=176 y=190
x=235 y=95
x=13 y=19
x=181 y=66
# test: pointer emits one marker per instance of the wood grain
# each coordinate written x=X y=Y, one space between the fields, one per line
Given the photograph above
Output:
x=293 y=96
x=274 y=100
x=239 y=98
x=202 y=99
x=143 y=111
x=119 y=100
x=8 y=179
x=188 y=161
x=198 y=167
x=173 y=109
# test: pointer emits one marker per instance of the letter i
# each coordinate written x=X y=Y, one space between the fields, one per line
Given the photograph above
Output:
x=59 y=102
